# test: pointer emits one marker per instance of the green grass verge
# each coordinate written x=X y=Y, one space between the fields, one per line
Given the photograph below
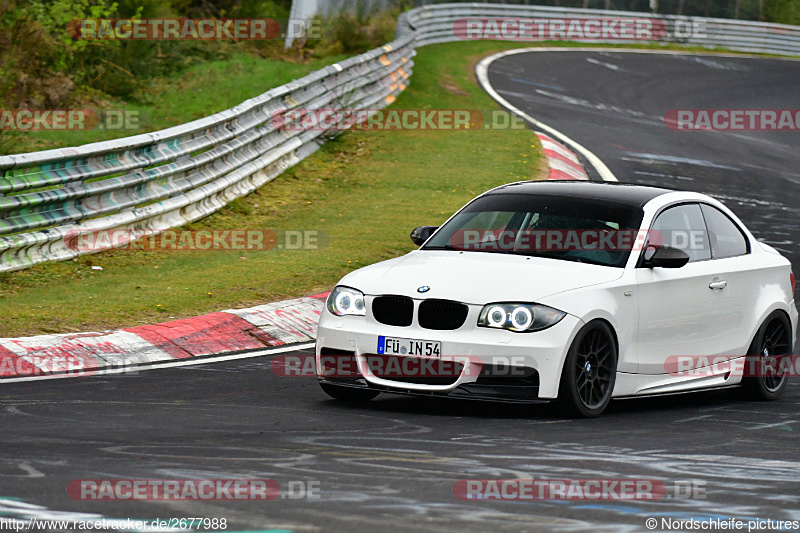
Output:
x=197 y=92
x=362 y=192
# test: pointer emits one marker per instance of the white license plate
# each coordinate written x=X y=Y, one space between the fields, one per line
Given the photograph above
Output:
x=410 y=347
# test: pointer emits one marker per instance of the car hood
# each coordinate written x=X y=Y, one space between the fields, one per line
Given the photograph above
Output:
x=477 y=277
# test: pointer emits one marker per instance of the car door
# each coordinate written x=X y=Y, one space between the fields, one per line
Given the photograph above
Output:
x=738 y=270
x=686 y=310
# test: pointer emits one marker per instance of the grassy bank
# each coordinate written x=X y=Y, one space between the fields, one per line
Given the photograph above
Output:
x=361 y=193
x=198 y=92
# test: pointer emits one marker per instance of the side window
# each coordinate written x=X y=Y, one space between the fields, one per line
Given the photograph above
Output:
x=725 y=237
x=683 y=227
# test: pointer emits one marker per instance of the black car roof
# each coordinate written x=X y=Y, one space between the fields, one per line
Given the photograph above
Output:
x=625 y=193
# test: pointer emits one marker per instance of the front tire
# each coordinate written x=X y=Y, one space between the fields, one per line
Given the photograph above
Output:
x=590 y=371
x=773 y=339
x=348 y=394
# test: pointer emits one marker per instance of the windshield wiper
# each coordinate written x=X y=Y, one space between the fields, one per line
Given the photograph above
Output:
x=441 y=247
x=451 y=247
x=574 y=259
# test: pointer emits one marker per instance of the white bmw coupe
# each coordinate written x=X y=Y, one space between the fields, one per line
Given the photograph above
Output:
x=572 y=291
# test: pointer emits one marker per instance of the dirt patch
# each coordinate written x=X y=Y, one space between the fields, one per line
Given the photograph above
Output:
x=448 y=83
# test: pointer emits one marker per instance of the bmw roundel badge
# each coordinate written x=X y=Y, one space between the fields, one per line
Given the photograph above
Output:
x=424 y=288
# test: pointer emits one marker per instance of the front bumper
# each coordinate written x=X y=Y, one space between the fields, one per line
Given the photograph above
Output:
x=532 y=361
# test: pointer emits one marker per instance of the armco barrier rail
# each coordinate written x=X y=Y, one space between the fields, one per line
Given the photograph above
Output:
x=160 y=180
x=434 y=24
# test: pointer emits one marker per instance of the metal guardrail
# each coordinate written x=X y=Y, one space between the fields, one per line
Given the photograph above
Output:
x=152 y=182
x=434 y=24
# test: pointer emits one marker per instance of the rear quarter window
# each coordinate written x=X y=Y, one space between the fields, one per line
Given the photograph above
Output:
x=725 y=237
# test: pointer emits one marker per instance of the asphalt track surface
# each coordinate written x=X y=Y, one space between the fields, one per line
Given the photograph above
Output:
x=391 y=464
x=614 y=104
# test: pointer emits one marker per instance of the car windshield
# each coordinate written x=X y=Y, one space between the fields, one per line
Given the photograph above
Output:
x=560 y=227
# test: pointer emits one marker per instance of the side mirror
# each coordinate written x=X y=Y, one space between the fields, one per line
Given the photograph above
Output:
x=421 y=234
x=665 y=257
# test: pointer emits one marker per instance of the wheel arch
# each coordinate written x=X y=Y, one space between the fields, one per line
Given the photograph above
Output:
x=583 y=323
x=763 y=318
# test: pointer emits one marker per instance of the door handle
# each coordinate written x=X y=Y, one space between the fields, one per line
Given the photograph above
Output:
x=714 y=285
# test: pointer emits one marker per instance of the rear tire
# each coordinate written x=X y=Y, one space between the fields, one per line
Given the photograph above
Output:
x=348 y=394
x=590 y=371
x=773 y=338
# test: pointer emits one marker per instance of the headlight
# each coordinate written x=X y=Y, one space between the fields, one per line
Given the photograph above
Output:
x=519 y=317
x=346 y=301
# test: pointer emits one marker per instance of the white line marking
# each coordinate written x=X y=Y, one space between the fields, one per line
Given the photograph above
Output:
x=776 y=424
x=482 y=73
x=644 y=156
x=171 y=364
x=600 y=63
